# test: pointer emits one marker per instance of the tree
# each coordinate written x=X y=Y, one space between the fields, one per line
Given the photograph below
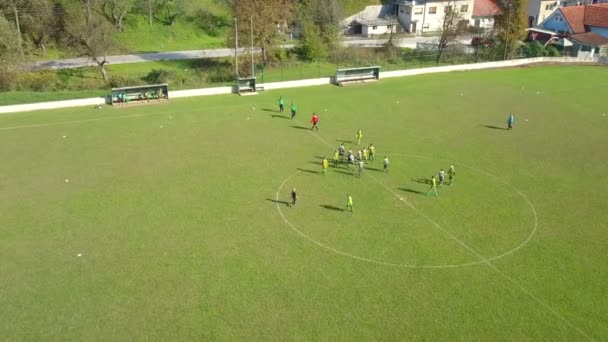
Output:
x=38 y=22
x=512 y=23
x=451 y=27
x=13 y=7
x=90 y=34
x=266 y=17
x=311 y=46
x=9 y=53
x=116 y=10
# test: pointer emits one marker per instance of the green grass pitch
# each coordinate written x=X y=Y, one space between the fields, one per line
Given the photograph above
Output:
x=168 y=222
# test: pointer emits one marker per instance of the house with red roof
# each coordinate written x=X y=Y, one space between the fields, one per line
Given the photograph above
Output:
x=484 y=12
x=583 y=29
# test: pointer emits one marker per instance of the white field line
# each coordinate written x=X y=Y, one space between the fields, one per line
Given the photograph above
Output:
x=481 y=257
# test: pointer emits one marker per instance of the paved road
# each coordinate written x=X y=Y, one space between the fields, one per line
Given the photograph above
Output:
x=210 y=53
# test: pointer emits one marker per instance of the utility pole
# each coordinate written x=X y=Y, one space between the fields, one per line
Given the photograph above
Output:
x=252 y=58
x=236 y=47
x=508 y=30
x=18 y=29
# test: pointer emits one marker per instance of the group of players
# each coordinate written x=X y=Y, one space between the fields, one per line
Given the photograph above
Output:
x=365 y=155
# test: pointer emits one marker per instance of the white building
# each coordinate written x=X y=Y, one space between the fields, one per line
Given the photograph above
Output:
x=419 y=16
x=373 y=20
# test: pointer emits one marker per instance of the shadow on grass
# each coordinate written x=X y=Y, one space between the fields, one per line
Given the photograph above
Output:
x=280 y=116
x=278 y=202
x=330 y=207
x=495 y=127
x=422 y=180
x=309 y=171
x=301 y=127
x=345 y=141
x=412 y=191
x=345 y=172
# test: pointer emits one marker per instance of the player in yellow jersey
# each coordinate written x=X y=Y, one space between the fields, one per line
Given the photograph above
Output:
x=365 y=154
x=349 y=203
x=433 y=187
x=359 y=137
x=325 y=165
x=336 y=158
x=372 y=152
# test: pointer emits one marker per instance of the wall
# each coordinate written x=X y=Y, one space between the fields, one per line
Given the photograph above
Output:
x=304 y=83
x=380 y=29
x=599 y=30
x=551 y=24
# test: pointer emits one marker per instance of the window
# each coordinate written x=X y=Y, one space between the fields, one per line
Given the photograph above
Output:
x=547 y=7
x=418 y=10
x=374 y=27
x=464 y=8
x=448 y=9
x=585 y=48
x=432 y=10
x=558 y=18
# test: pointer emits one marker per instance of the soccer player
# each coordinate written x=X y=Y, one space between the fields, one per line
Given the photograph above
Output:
x=359 y=137
x=341 y=150
x=281 y=104
x=510 y=121
x=441 y=177
x=361 y=168
x=349 y=203
x=294 y=109
x=433 y=187
x=386 y=164
x=365 y=153
x=372 y=152
x=351 y=160
x=451 y=174
x=325 y=164
x=315 y=121
x=359 y=155
x=336 y=156
x=294 y=197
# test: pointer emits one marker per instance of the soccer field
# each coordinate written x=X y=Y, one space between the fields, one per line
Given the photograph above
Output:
x=169 y=221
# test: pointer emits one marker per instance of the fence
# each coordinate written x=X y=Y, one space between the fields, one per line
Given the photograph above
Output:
x=296 y=70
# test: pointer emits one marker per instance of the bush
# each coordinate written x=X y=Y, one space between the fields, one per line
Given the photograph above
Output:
x=533 y=49
x=552 y=51
x=157 y=76
x=37 y=81
x=221 y=74
x=7 y=78
x=210 y=23
x=117 y=81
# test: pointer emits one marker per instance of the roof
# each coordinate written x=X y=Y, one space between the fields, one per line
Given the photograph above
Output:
x=574 y=17
x=596 y=15
x=376 y=22
x=591 y=15
x=485 y=8
x=590 y=39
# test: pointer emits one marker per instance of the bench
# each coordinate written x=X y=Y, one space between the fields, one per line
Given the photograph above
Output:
x=246 y=86
x=351 y=75
x=140 y=94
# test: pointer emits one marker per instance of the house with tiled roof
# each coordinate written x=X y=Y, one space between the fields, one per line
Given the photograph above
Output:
x=583 y=29
x=484 y=12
